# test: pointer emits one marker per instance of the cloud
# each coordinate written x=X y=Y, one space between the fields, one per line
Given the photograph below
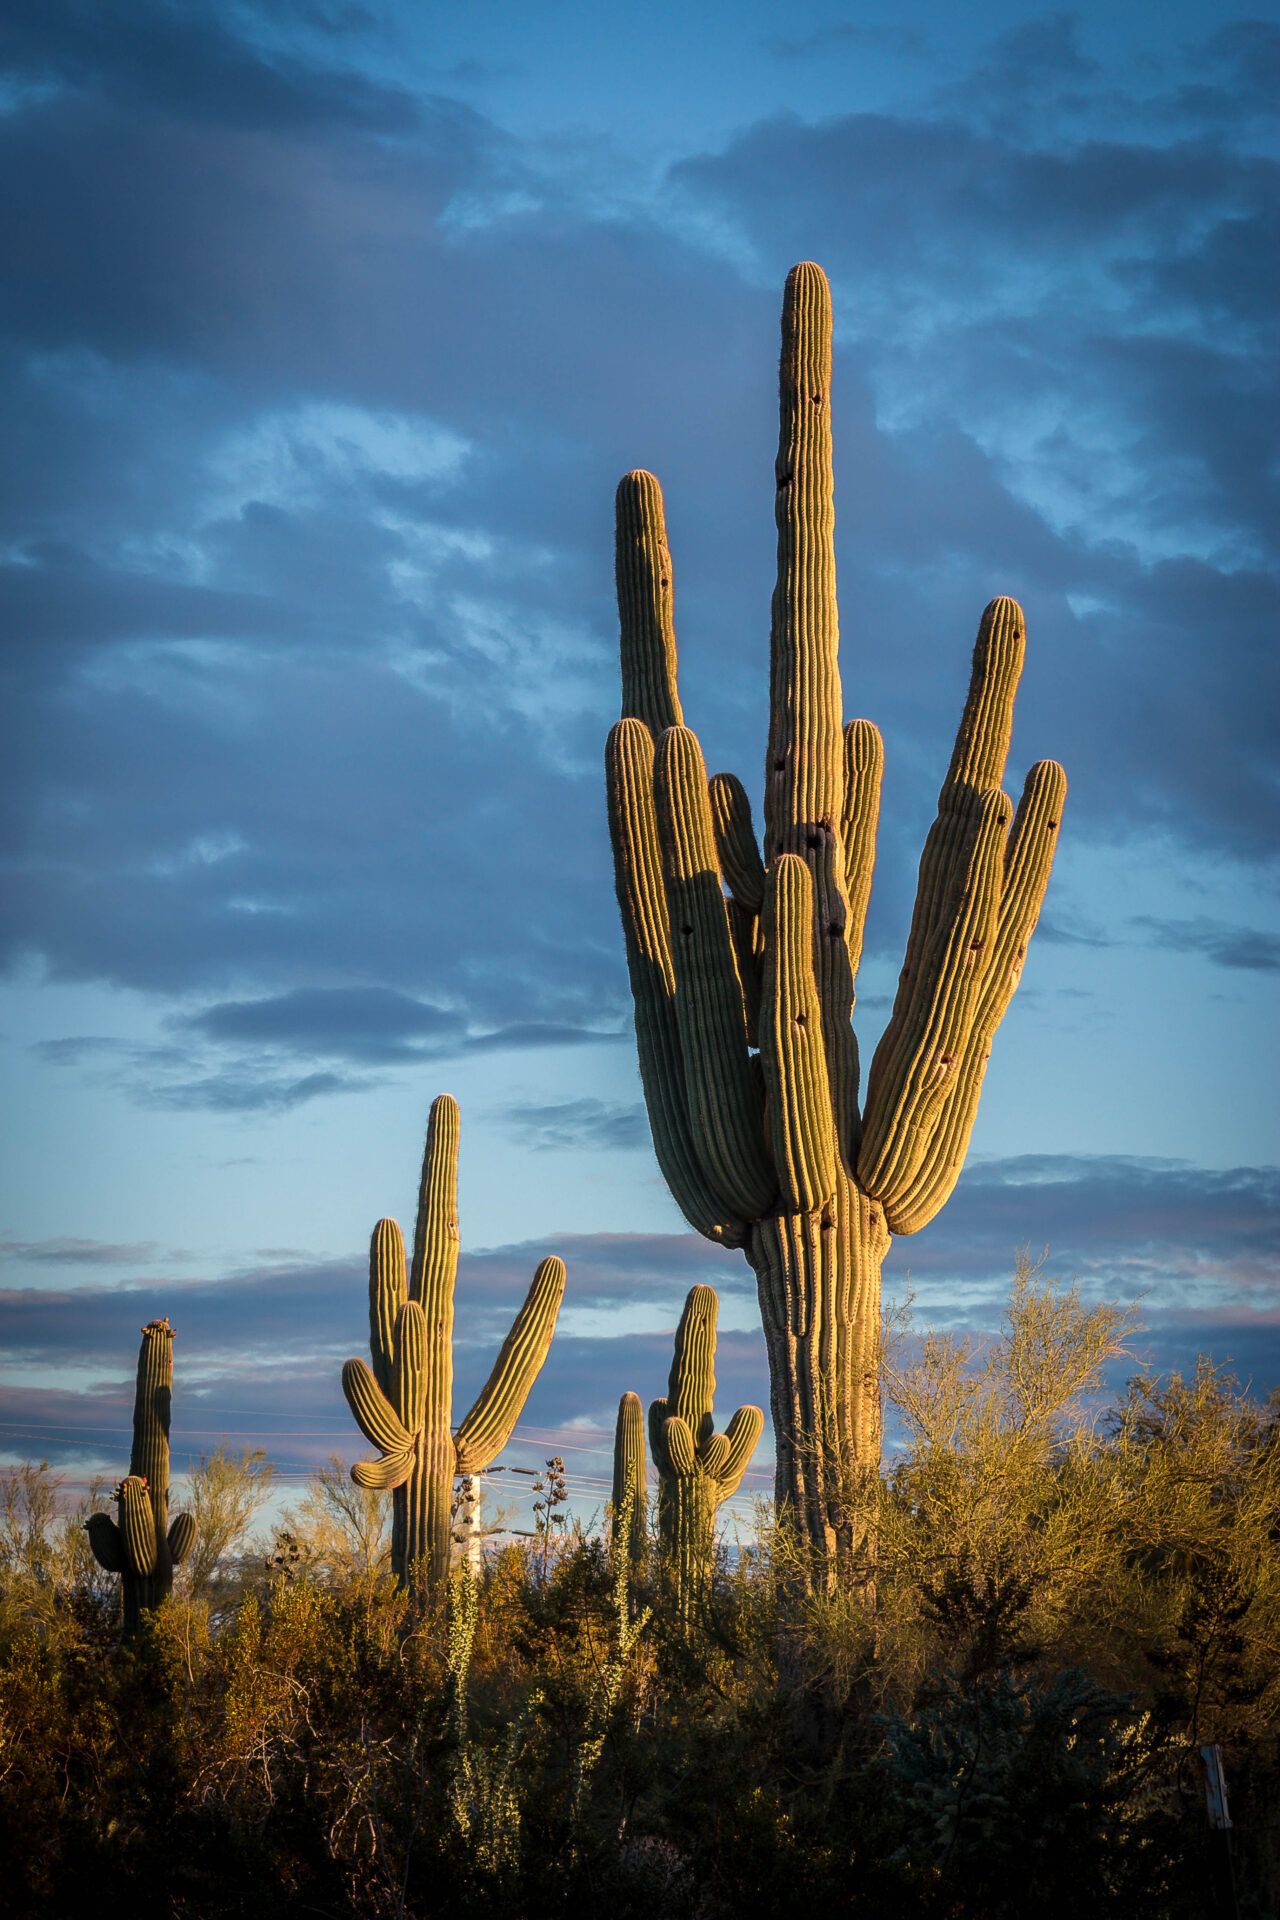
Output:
x=578 y=1123
x=195 y=60
x=1227 y=946
x=241 y=1055
x=370 y=1023
x=1189 y=1233
x=64 y=1252
x=260 y=1348
x=316 y=407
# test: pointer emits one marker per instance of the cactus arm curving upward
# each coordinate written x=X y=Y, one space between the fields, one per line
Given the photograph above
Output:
x=488 y=1426
x=140 y=1544
x=698 y=1468
x=403 y=1405
x=642 y=897
x=723 y=1096
x=729 y=950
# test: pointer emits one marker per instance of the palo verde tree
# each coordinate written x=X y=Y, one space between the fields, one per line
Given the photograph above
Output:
x=743 y=961
x=404 y=1405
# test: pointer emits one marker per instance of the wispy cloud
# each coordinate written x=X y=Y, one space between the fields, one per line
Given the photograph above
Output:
x=1246 y=948
x=256 y=1344
x=578 y=1123
x=78 y=1253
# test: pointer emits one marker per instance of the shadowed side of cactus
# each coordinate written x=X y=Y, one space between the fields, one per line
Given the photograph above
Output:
x=630 y=1481
x=743 y=957
x=141 y=1544
x=404 y=1404
x=697 y=1467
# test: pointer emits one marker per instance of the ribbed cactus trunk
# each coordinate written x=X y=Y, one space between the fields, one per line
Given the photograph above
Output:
x=149 y=1461
x=428 y=1493
x=404 y=1404
x=140 y=1544
x=743 y=962
x=818 y=1279
x=630 y=1500
x=698 y=1468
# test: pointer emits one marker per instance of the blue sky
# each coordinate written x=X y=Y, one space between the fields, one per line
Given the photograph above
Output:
x=325 y=333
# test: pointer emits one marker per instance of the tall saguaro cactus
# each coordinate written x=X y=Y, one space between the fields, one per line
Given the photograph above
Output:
x=743 y=961
x=404 y=1405
x=630 y=1489
x=698 y=1468
x=141 y=1544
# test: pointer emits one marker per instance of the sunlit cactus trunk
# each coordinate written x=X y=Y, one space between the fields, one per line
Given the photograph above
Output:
x=404 y=1404
x=743 y=960
x=140 y=1544
x=818 y=1278
x=630 y=1500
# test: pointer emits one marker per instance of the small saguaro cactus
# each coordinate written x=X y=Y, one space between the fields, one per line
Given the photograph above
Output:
x=697 y=1467
x=142 y=1545
x=743 y=960
x=629 y=1476
x=404 y=1406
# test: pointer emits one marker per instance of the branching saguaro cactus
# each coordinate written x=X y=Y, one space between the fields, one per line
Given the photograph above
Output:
x=630 y=1501
x=141 y=1544
x=697 y=1467
x=404 y=1405
x=732 y=949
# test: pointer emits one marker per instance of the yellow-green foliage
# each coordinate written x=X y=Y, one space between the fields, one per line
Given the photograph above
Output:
x=1074 y=1590
x=743 y=958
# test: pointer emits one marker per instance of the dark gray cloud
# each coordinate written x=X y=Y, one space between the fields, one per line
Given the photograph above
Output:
x=374 y=1024
x=1227 y=946
x=1126 y=1224
x=317 y=393
x=259 y=1350
x=61 y=1252
x=242 y=1055
x=578 y=1123
x=191 y=58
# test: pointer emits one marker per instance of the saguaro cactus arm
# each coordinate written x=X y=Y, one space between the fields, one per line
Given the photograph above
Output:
x=182 y=1537
x=725 y=1109
x=741 y=1437
x=642 y=897
x=646 y=599
x=1027 y=862
x=107 y=1544
x=373 y=1413
x=488 y=1426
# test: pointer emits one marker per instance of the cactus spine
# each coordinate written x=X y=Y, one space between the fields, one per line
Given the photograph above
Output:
x=141 y=1544
x=403 y=1405
x=743 y=962
x=697 y=1467
x=630 y=1480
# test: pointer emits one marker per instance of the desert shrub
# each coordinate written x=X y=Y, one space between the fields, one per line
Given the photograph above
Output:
x=1003 y=1711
